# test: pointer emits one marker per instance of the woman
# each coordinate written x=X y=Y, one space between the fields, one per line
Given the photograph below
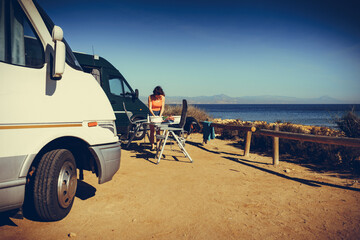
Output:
x=156 y=104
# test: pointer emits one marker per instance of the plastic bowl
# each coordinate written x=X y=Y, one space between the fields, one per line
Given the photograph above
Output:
x=156 y=119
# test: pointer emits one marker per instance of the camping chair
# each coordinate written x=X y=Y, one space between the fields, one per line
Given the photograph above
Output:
x=174 y=131
x=135 y=126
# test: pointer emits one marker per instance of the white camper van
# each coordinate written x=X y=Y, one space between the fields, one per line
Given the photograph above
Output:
x=54 y=118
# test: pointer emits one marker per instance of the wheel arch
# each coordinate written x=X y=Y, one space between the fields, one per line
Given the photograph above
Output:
x=84 y=158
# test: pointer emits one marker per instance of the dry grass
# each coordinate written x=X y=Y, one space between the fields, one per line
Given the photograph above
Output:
x=349 y=124
x=197 y=113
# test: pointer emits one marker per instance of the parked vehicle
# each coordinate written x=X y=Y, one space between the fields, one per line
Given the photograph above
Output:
x=54 y=117
x=118 y=90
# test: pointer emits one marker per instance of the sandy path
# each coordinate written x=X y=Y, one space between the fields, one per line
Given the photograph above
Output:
x=222 y=195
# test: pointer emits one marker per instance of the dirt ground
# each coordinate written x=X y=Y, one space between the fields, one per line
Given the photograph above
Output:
x=221 y=195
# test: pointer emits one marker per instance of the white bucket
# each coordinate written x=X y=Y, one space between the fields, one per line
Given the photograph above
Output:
x=177 y=119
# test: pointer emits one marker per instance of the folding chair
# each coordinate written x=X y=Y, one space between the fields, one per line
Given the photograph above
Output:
x=174 y=131
x=135 y=126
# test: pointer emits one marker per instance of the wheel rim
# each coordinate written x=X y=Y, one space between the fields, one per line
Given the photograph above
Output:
x=140 y=132
x=67 y=183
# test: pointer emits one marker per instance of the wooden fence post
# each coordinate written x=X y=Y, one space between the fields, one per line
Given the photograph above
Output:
x=247 y=144
x=276 y=148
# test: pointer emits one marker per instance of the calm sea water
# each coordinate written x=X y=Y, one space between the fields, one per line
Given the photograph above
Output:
x=306 y=114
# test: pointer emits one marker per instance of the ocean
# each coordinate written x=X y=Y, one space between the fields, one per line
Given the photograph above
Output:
x=305 y=114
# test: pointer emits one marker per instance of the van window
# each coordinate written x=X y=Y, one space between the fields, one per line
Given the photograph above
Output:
x=115 y=86
x=96 y=73
x=127 y=90
x=19 y=43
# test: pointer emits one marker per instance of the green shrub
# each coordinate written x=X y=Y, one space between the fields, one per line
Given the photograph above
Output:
x=349 y=124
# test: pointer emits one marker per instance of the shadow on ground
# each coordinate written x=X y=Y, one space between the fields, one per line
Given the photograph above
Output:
x=142 y=150
x=311 y=183
x=201 y=146
x=336 y=171
x=84 y=190
x=5 y=218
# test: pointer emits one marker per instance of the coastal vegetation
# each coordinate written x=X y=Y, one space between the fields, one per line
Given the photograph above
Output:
x=349 y=124
x=322 y=156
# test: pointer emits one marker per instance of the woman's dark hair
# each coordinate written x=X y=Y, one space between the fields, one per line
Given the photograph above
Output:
x=158 y=91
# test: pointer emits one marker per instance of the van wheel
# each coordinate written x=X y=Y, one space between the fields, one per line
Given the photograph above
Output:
x=142 y=131
x=55 y=185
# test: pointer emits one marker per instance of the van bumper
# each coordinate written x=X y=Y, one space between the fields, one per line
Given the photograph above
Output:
x=107 y=158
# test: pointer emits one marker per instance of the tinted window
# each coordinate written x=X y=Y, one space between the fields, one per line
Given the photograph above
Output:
x=116 y=86
x=19 y=43
x=96 y=73
x=127 y=90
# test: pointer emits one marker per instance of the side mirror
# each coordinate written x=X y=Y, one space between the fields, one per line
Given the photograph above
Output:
x=136 y=96
x=59 y=52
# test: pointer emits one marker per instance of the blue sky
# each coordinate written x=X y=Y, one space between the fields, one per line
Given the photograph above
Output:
x=303 y=49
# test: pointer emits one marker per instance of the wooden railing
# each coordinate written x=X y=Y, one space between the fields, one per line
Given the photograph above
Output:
x=276 y=134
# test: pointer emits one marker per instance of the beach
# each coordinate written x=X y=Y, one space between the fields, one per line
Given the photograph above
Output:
x=221 y=195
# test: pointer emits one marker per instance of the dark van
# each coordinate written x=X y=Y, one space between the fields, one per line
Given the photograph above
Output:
x=118 y=90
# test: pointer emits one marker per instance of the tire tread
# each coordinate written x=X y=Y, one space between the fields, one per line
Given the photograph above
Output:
x=44 y=180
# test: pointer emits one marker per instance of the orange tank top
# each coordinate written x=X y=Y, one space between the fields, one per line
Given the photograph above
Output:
x=156 y=103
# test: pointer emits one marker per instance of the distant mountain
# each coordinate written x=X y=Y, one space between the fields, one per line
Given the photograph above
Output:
x=265 y=99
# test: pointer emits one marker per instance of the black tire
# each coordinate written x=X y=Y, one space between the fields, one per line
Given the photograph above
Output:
x=141 y=132
x=55 y=185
